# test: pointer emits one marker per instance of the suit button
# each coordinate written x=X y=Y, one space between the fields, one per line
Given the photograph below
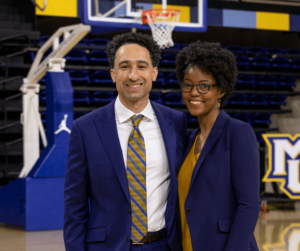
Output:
x=128 y=239
x=188 y=210
x=129 y=210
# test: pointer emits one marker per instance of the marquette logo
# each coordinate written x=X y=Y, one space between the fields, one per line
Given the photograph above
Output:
x=284 y=159
x=290 y=240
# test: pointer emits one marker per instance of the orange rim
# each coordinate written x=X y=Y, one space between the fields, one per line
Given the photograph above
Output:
x=153 y=13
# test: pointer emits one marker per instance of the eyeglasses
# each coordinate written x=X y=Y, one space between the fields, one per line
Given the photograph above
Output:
x=201 y=88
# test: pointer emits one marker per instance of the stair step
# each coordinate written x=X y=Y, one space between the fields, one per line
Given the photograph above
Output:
x=6 y=2
x=12 y=18
x=30 y=34
x=16 y=26
x=7 y=9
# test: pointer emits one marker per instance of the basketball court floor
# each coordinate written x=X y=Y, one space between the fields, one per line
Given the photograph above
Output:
x=275 y=231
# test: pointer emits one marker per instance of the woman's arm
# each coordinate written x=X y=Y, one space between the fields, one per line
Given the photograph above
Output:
x=244 y=157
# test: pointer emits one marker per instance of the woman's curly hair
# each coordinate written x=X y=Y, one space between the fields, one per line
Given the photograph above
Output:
x=143 y=40
x=213 y=60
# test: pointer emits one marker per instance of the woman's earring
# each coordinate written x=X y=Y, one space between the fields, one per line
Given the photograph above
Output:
x=182 y=101
x=219 y=104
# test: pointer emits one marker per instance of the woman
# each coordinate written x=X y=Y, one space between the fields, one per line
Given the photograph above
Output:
x=219 y=179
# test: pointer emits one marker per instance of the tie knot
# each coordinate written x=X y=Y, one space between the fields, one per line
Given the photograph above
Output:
x=136 y=119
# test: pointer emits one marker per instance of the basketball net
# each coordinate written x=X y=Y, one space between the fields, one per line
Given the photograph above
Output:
x=162 y=23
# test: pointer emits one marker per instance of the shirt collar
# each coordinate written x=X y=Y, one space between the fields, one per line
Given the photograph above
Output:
x=124 y=114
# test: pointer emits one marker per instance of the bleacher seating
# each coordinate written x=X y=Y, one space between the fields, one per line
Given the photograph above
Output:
x=254 y=59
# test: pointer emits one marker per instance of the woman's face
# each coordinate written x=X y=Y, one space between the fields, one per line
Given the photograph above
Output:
x=201 y=104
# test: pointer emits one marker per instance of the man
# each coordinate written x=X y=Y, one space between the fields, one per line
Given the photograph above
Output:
x=121 y=184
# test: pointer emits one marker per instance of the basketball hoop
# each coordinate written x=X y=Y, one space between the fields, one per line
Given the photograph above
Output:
x=162 y=23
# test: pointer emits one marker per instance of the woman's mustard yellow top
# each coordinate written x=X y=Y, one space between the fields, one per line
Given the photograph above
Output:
x=184 y=180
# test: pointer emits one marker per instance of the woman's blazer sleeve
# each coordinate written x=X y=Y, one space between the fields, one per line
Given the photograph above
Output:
x=76 y=194
x=244 y=158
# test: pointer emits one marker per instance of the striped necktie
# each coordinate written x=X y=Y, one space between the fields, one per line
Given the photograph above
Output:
x=136 y=174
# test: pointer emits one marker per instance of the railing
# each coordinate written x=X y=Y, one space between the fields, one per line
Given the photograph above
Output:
x=35 y=3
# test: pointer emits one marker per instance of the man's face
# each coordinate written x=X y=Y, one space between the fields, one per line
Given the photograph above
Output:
x=133 y=73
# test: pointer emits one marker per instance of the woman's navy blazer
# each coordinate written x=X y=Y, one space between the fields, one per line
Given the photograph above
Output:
x=222 y=204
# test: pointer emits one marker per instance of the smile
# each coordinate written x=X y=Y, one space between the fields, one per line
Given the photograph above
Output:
x=134 y=86
x=196 y=102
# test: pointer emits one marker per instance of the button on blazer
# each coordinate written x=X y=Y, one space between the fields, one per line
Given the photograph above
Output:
x=97 y=201
x=222 y=204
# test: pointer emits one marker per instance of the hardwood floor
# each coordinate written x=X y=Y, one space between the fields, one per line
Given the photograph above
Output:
x=275 y=231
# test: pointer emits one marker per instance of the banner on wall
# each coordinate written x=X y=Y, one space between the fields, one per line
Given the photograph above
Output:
x=284 y=160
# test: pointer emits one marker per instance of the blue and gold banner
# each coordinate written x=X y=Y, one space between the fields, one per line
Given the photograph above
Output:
x=284 y=160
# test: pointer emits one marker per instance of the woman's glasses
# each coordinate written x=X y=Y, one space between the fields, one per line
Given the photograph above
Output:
x=201 y=88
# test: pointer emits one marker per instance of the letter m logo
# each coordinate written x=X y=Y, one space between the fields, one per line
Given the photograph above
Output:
x=284 y=160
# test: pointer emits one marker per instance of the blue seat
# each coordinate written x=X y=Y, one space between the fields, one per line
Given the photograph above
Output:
x=238 y=99
x=192 y=121
x=168 y=60
x=261 y=118
x=43 y=39
x=258 y=100
x=266 y=82
x=277 y=99
x=76 y=57
x=295 y=65
x=293 y=51
x=159 y=82
x=42 y=81
x=102 y=97
x=275 y=51
x=79 y=77
x=242 y=62
x=260 y=63
x=246 y=117
x=286 y=81
x=156 y=97
x=179 y=46
x=245 y=81
x=98 y=57
x=236 y=49
x=101 y=77
x=280 y=64
x=259 y=137
x=255 y=50
x=42 y=97
x=44 y=117
x=81 y=97
x=171 y=81
x=84 y=42
x=173 y=99
x=98 y=41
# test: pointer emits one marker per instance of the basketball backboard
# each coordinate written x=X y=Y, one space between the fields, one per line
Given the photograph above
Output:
x=127 y=13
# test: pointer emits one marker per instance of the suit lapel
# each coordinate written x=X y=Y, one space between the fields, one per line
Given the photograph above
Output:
x=107 y=131
x=169 y=137
x=190 y=142
x=211 y=140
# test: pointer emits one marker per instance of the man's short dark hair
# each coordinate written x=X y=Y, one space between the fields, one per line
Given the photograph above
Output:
x=212 y=59
x=143 y=40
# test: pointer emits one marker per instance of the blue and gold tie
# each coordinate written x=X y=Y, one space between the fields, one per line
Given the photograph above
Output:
x=136 y=174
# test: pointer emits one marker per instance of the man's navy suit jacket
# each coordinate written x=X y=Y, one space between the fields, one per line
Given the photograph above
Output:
x=222 y=204
x=97 y=201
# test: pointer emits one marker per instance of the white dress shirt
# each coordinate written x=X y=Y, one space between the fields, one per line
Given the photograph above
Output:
x=157 y=166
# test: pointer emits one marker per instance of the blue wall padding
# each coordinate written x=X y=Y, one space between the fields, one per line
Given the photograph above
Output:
x=59 y=93
x=294 y=22
x=239 y=19
x=12 y=203
x=215 y=17
x=193 y=14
